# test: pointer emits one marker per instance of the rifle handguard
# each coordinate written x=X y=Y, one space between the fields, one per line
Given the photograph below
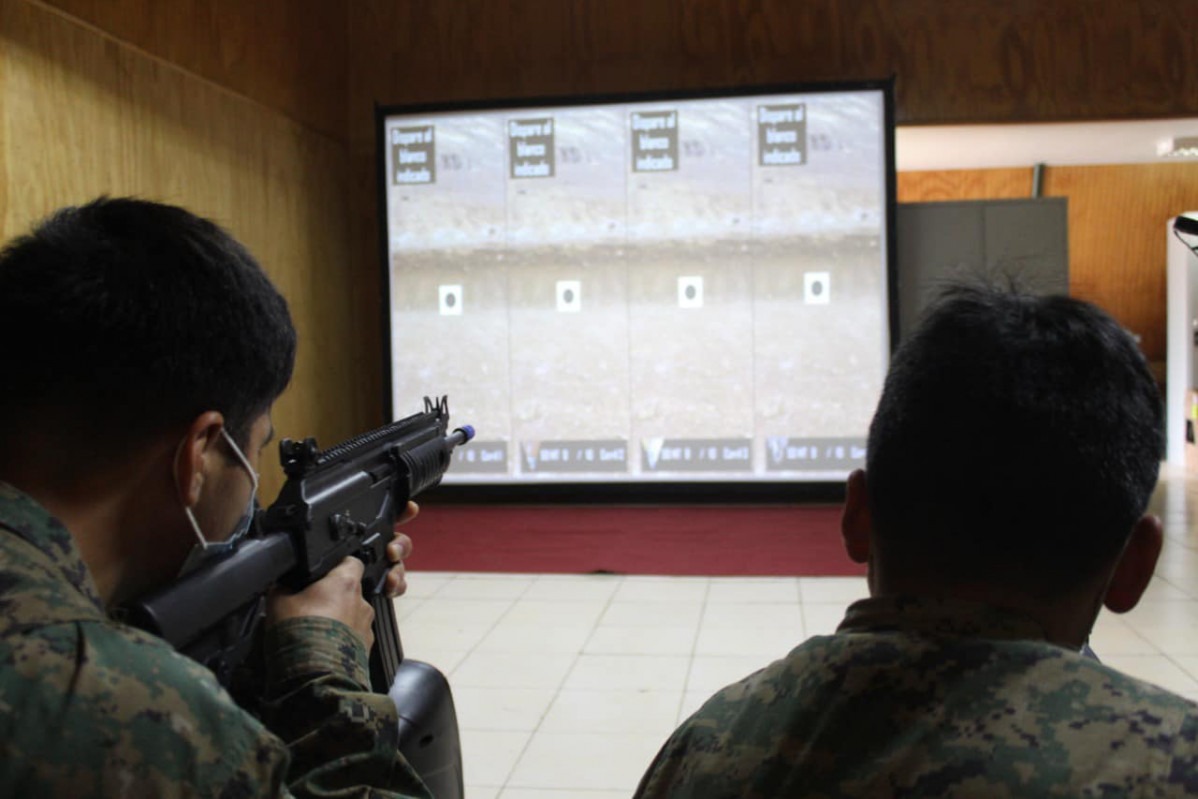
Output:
x=426 y=463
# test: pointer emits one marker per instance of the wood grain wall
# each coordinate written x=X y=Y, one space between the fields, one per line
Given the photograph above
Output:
x=82 y=114
x=289 y=55
x=976 y=61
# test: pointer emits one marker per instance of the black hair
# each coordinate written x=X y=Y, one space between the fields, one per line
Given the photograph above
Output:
x=1017 y=441
x=125 y=317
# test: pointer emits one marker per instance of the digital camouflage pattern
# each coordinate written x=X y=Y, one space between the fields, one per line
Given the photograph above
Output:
x=90 y=707
x=923 y=698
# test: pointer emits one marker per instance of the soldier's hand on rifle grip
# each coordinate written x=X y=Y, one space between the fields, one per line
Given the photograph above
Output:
x=398 y=551
x=337 y=595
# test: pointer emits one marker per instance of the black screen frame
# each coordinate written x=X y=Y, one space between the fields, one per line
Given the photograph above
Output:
x=649 y=492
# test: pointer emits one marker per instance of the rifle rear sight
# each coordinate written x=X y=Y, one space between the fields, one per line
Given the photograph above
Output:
x=298 y=457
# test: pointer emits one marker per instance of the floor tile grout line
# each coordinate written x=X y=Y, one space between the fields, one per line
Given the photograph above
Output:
x=512 y=603
x=1137 y=634
x=442 y=586
x=1169 y=582
x=474 y=648
x=599 y=619
x=690 y=663
x=802 y=616
x=1193 y=677
x=420 y=601
x=558 y=691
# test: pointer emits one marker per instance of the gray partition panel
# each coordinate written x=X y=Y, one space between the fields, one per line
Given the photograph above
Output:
x=1024 y=240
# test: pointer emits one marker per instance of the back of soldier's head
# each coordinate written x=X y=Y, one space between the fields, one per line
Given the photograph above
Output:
x=122 y=318
x=1017 y=441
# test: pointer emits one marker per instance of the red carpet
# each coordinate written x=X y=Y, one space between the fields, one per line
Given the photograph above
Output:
x=774 y=540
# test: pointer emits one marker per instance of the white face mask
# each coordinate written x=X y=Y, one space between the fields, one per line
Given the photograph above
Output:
x=205 y=549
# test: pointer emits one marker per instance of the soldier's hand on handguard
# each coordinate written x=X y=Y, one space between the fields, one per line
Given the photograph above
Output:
x=337 y=595
x=398 y=551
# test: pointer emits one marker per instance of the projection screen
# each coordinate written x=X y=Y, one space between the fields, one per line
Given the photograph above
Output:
x=685 y=289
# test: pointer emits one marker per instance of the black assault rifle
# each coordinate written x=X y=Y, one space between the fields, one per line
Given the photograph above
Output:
x=337 y=502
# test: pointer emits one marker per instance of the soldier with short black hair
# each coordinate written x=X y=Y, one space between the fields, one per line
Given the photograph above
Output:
x=1009 y=466
x=142 y=349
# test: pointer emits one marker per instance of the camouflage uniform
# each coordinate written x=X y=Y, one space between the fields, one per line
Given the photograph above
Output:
x=90 y=707
x=925 y=698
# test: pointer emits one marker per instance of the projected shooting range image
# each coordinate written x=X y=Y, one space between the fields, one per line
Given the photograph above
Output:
x=686 y=289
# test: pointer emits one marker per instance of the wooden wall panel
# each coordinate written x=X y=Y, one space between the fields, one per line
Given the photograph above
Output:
x=1117 y=234
x=1117 y=238
x=287 y=54
x=963 y=184
x=1025 y=60
x=981 y=61
x=82 y=115
x=495 y=48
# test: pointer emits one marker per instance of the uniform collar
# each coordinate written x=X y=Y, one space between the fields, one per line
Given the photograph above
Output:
x=23 y=516
x=942 y=618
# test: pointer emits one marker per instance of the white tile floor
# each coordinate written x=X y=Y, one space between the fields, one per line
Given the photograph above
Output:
x=566 y=686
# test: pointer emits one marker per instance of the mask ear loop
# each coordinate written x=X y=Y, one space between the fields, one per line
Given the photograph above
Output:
x=243 y=459
x=195 y=526
x=247 y=519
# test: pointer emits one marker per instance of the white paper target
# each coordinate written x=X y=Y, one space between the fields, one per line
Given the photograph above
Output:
x=816 y=288
x=451 y=299
x=690 y=291
x=569 y=296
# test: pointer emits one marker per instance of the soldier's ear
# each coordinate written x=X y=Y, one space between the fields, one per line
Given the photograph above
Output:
x=1134 y=570
x=856 y=525
x=195 y=456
